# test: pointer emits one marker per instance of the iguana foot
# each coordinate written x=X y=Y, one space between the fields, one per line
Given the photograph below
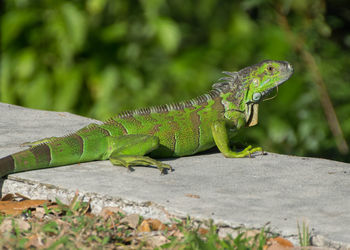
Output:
x=136 y=160
x=248 y=151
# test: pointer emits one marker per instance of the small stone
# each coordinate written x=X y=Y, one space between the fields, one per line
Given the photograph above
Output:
x=131 y=220
x=157 y=241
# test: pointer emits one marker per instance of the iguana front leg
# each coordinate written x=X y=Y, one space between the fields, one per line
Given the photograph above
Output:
x=221 y=138
x=130 y=150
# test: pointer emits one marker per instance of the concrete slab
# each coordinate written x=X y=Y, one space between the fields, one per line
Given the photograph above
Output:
x=234 y=192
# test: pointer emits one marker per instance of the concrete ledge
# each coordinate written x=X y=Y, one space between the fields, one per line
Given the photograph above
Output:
x=234 y=192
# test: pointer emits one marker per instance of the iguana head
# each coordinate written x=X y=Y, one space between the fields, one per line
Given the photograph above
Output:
x=243 y=90
x=259 y=80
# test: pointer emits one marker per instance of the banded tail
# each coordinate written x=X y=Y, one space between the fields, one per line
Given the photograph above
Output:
x=53 y=152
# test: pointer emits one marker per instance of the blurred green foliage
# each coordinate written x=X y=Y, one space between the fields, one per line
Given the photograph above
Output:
x=99 y=57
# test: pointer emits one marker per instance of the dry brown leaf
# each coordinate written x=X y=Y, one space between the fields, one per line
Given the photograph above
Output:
x=156 y=224
x=110 y=211
x=132 y=220
x=283 y=242
x=144 y=227
x=16 y=207
x=202 y=231
x=149 y=225
x=173 y=227
x=278 y=243
x=13 y=197
x=7 y=197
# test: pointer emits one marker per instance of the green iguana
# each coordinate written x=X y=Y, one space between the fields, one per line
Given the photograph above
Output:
x=172 y=130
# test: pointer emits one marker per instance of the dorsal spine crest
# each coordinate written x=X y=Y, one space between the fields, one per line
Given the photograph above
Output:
x=224 y=85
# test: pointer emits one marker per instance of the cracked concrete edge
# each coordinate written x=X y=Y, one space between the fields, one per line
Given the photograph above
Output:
x=321 y=241
x=36 y=190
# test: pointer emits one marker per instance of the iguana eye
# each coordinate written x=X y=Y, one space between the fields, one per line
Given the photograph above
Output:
x=270 y=68
x=256 y=97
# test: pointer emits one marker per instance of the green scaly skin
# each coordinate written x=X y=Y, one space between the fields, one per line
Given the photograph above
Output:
x=172 y=130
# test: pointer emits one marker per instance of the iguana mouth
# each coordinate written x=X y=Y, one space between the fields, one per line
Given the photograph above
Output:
x=287 y=74
x=267 y=92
